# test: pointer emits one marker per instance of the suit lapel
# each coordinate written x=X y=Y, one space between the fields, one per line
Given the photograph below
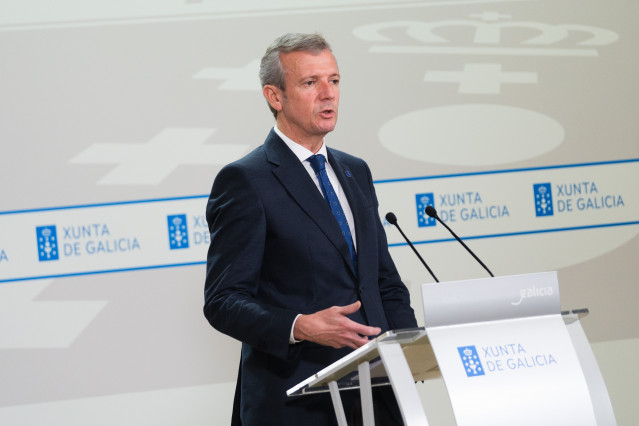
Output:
x=358 y=204
x=293 y=176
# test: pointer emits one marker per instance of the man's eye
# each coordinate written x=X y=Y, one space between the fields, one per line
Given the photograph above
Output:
x=309 y=83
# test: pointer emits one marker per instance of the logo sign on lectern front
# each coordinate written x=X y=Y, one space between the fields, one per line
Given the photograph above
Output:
x=504 y=351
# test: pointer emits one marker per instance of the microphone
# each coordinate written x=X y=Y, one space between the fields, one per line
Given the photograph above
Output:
x=430 y=211
x=392 y=219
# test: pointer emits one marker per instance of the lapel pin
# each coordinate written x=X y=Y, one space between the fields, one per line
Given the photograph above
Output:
x=348 y=174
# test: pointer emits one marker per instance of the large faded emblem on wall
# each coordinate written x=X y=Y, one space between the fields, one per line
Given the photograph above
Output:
x=495 y=52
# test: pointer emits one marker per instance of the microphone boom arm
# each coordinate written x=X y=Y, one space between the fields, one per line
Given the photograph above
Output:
x=430 y=211
x=390 y=217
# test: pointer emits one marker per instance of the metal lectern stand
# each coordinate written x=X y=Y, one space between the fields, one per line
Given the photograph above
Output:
x=398 y=358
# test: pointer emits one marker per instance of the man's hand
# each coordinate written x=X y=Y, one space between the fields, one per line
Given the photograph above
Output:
x=331 y=327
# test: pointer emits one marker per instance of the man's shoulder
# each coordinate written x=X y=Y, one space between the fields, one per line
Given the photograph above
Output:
x=252 y=159
x=260 y=155
x=346 y=158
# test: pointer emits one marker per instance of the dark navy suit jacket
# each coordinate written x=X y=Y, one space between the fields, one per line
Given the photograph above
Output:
x=277 y=251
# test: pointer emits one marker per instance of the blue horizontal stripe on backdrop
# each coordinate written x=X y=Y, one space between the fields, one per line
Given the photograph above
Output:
x=469 y=237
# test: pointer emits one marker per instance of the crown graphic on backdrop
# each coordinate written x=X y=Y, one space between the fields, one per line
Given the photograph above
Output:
x=494 y=34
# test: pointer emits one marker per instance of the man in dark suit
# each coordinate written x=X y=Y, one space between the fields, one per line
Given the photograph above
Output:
x=298 y=280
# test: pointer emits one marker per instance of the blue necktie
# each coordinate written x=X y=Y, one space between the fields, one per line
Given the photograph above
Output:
x=318 y=163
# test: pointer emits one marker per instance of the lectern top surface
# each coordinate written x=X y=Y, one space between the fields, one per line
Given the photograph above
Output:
x=414 y=343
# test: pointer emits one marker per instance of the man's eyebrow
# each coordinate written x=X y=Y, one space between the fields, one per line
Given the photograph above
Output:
x=317 y=77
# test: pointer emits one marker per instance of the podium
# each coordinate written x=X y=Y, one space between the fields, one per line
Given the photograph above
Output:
x=507 y=354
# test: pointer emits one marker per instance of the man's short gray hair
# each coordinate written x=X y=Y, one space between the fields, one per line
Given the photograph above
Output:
x=271 y=70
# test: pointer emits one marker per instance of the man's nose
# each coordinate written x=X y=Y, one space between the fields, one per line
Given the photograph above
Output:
x=327 y=90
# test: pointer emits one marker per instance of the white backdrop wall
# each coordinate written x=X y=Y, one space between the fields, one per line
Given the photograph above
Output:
x=517 y=119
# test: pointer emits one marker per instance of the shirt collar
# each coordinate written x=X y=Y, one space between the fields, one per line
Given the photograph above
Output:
x=300 y=152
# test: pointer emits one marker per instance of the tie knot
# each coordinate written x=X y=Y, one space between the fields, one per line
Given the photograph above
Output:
x=318 y=162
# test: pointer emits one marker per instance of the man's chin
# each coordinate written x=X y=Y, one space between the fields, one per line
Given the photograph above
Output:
x=327 y=126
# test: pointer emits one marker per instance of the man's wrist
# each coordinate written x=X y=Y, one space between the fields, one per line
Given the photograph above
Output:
x=291 y=339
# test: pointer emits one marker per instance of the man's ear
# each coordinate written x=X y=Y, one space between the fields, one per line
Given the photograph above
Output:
x=274 y=96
